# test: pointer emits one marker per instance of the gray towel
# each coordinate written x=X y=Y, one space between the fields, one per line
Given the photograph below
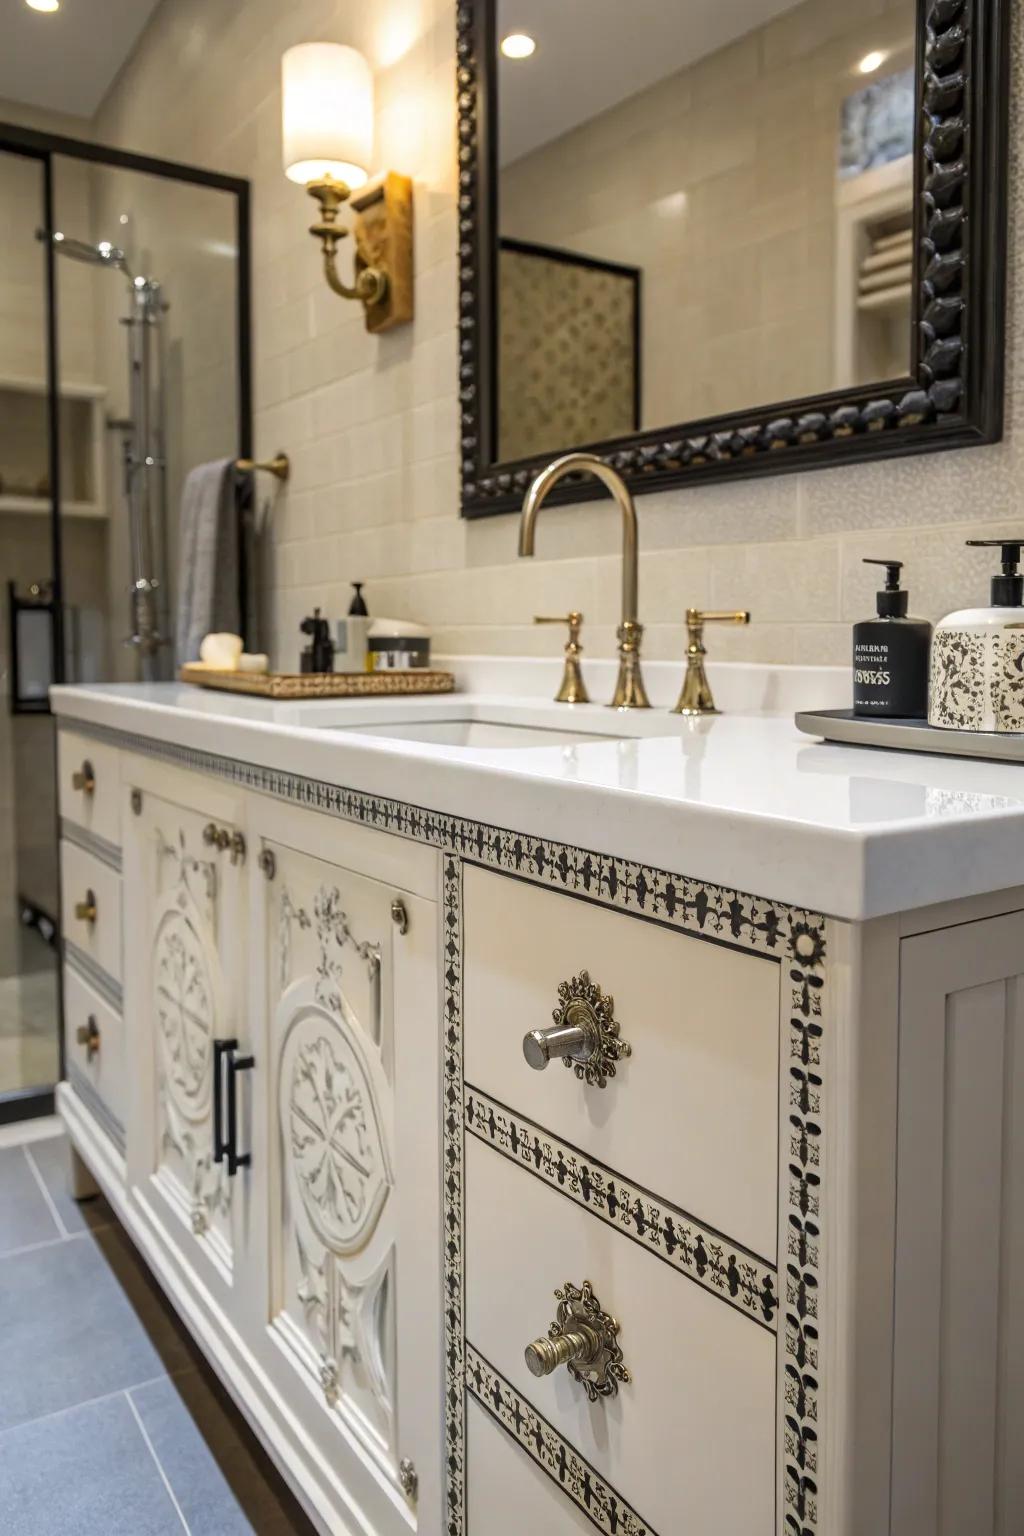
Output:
x=208 y=558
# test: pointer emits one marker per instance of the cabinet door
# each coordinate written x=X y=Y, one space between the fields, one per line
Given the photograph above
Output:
x=958 y=1388
x=184 y=902
x=349 y=1007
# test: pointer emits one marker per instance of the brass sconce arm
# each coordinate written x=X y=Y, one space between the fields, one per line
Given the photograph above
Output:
x=370 y=285
x=382 y=234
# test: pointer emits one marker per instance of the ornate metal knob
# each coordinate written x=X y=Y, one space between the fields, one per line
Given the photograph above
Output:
x=585 y=1034
x=84 y=779
x=218 y=837
x=236 y=842
x=88 y=1034
x=583 y=1338
x=86 y=911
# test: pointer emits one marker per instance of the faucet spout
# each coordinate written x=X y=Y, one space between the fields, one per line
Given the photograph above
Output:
x=629 y=690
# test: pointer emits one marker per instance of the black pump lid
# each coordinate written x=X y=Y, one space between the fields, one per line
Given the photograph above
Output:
x=358 y=604
x=315 y=626
x=892 y=603
x=1007 y=588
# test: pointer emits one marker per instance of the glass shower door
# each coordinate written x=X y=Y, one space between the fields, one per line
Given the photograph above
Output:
x=29 y=998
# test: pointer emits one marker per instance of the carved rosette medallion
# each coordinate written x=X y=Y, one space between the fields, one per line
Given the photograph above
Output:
x=334 y=1134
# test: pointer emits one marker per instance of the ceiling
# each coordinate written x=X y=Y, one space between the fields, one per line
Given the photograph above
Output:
x=67 y=60
x=592 y=54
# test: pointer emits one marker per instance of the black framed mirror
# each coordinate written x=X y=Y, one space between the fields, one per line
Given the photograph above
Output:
x=710 y=239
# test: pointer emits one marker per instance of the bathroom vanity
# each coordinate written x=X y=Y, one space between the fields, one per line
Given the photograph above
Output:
x=775 y=1180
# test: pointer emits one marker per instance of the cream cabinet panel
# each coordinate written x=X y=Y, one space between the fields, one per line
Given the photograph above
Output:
x=347 y=1003
x=692 y=1112
x=185 y=993
x=958 y=1391
x=91 y=907
x=508 y=1492
x=689 y=1440
x=89 y=785
x=94 y=1053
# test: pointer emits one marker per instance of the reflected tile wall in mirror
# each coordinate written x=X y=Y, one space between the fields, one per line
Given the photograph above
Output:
x=751 y=163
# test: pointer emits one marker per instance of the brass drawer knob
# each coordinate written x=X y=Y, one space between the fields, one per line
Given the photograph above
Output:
x=583 y=1338
x=88 y=1034
x=216 y=837
x=223 y=838
x=86 y=911
x=585 y=1034
x=84 y=779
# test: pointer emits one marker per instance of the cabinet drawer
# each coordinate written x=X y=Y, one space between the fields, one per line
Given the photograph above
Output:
x=99 y=937
x=81 y=761
x=692 y=1113
x=97 y=1073
x=689 y=1441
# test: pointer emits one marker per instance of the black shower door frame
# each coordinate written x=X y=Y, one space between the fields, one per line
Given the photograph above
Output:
x=23 y=1104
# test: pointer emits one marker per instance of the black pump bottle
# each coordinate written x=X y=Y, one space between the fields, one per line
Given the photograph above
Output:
x=891 y=655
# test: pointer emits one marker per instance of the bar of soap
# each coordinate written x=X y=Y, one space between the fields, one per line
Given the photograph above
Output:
x=253 y=661
x=221 y=651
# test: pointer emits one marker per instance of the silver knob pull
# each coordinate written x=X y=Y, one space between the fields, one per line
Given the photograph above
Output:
x=585 y=1034
x=585 y=1339
x=566 y=1040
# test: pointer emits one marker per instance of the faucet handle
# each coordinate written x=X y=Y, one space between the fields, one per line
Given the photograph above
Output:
x=573 y=690
x=696 y=697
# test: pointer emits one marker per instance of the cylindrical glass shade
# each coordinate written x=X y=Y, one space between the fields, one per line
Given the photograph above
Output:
x=326 y=113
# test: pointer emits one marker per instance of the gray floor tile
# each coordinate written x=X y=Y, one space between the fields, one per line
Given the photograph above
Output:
x=24 y=1215
x=68 y=1332
x=222 y=1479
x=87 y=1472
x=52 y=1158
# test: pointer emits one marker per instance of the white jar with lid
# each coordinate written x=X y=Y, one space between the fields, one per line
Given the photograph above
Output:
x=977 y=668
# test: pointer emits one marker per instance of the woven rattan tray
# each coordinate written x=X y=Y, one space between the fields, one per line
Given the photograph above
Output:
x=322 y=685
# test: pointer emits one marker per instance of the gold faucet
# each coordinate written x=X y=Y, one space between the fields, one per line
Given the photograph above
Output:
x=696 y=697
x=630 y=692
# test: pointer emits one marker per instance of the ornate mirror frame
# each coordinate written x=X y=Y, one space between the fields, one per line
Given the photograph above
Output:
x=953 y=398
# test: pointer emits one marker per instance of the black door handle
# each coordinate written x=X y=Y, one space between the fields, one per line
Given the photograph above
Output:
x=221 y=1048
x=236 y=1064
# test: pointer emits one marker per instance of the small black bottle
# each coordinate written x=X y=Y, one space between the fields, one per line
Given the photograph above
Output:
x=318 y=656
x=891 y=655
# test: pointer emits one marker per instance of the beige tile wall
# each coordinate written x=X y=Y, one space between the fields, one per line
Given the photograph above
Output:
x=371 y=423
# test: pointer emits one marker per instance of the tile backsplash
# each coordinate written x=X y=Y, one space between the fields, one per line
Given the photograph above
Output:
x=371 y=423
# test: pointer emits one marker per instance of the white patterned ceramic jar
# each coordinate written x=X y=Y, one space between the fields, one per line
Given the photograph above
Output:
x=977 y=665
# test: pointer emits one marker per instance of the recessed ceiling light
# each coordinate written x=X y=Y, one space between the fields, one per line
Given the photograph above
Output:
x=43 y=5
x=871 y=61
x=518 y=45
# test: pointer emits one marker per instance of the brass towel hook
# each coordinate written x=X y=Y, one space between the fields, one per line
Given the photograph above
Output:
x=279 y=466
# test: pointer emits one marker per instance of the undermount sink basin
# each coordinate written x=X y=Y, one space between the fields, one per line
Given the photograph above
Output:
x=455 y=732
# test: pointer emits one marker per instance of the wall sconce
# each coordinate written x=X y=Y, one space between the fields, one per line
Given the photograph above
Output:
x=327 y=132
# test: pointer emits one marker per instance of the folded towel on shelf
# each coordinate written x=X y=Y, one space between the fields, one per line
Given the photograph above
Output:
x=208 y=558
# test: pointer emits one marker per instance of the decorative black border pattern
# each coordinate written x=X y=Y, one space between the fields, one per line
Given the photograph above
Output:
x=99 y=979
x=91 y=842
x=578 y=1480
x=453 y=1153
x=956 y=395
x=797 y=939
x=87 y=1093
x=704 y=1255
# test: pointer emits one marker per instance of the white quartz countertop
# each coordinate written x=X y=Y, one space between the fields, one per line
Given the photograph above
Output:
x=742 y=799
